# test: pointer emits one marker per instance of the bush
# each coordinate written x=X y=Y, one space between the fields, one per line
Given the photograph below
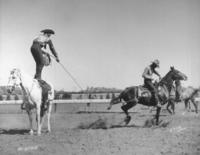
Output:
x=107 y=96
x=1 y=97
x=16 y=97
x=66 y=96
x=8 y=97
x=113 y=95
x=101 y=96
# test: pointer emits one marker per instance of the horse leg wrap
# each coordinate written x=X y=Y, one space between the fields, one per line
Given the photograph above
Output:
x=127 y=106
x=157 y=115
x=124 y=108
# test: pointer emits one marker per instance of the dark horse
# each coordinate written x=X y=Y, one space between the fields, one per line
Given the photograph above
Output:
x=138 y=94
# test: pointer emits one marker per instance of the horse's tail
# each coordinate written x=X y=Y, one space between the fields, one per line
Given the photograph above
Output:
x=51 y=93
x=123 y=93
x=130 y=93
x=114 y=100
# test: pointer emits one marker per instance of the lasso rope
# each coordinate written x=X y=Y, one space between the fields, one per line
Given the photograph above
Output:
x=75 y=81
x=70 y=75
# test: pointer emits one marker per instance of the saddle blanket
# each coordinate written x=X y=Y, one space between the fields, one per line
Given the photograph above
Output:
x=143 y=92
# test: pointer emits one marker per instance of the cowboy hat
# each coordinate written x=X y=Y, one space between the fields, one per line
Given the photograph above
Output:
x=156 y=61
x=48 y=31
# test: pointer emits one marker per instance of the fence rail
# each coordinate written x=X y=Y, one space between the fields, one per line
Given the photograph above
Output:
x=74 y=101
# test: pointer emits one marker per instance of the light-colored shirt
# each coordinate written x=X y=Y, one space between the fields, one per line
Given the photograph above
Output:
x=148 y=73
x=42 y=39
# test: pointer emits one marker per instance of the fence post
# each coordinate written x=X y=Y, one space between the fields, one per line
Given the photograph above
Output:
x=55 y=107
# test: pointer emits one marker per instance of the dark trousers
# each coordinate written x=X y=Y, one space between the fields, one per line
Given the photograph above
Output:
x=37 y=54
x=38 y=57
x=148 y=83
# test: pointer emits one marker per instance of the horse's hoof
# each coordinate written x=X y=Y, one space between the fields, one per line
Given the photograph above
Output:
x=39 y=133
x=159 y=122
x=48 y=130
x=127 y=119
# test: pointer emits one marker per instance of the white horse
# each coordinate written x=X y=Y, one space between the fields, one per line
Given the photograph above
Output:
x=32 y=97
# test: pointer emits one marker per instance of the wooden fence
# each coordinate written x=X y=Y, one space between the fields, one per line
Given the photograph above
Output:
x=59 y=106
x=74 y=101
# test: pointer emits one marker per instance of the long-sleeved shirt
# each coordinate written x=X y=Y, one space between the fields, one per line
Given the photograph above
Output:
x=45 y=40
x=148 y=73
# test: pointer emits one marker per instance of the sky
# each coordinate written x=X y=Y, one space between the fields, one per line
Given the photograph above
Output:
x=102 y=43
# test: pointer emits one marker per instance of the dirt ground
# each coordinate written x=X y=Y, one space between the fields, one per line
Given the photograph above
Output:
x=103 y=134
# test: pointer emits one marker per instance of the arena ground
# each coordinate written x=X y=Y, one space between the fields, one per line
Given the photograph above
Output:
x=103 y=134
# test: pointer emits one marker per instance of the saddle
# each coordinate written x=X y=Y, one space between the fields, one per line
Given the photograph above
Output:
x=144 y=92
x=45 y=91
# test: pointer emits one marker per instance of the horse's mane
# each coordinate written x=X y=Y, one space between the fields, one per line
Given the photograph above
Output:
x=26 y=78
x=165 y=79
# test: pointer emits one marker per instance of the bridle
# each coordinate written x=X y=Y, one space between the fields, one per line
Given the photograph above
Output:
x=14 y=77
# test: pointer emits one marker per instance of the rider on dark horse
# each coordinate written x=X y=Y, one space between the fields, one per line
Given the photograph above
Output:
x=148 y=78
x=40 y=43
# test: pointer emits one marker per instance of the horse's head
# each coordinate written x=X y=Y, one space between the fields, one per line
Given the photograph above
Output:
x=177 y=75
x=14 y=80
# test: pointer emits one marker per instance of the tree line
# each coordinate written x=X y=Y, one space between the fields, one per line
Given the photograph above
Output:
x=88 y=93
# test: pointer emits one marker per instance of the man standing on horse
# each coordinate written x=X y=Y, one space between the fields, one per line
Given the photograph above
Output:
x=42 y=59
x=39 y=43
x=148 y=78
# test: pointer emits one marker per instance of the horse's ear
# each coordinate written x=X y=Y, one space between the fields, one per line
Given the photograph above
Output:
x=172 y=67
x=12 y=71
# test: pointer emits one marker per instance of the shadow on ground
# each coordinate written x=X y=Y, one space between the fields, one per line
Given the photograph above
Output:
x=14 y=131
x=106 y=124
